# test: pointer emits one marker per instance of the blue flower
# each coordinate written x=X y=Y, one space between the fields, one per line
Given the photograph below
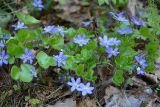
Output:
x=81 y=40
x=60 y=59
x=38 y=4
x=20 y=25
x=60 y=30
x=112 y=52
x=119 y=16
x=86 y=23
x=2 y=44
x=141 y=61
x=125 y=31
x=33 y=71
x=140 y=71
x=28 y=56
x=105 y=41
x=114 y=41
x=3 y=58
x=86 y=89
x=5 y=37
x=137 y=21
x=49 y=29
x=74 y=84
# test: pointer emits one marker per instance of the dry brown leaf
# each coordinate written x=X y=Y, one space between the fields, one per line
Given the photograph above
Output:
x=110 y=91
x=87 y=102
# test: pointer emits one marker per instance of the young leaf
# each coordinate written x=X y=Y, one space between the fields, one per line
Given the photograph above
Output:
x=25 y=74
x=27 y=19
x=15 y=72
x=118 y=78
x=44 y=60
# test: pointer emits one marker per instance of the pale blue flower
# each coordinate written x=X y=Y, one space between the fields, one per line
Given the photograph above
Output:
x=20 y=25
x=2 y=44
x=112 y=52
x=137 y=21
x=33 y=71
x=125 y=31
x=3 y=58
x=86 y=23
x=60 y=59
x=114 y=41
x=74 y=84
x=141 y=61
x=81 y=40
x=119 y=16
x=38 y=4
x=86 y=89
x=27 y=56
x=49 y=29
x=105 y=41
x=140 y=71
x=60 y=30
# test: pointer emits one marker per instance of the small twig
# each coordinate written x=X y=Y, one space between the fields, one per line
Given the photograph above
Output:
x=51 y=95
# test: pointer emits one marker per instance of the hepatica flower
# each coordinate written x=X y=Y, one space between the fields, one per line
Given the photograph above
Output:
x=112 y=52
x=107 y=42
x=74 y=84
x=20 y=25
x=119 y=16
x=137 y=21
x=81 y=40
x=49 y=29
x=5 y=37
x=125 y=31
x=27 y=56
x=140 y=71
x=38 y=4
x=141 y=61
x=2 y=44
x=86 y=23
x=60 y=30
x=33 y=71
x=86 y=89
x=114 y=41
x=60 y=59
x=3 y=58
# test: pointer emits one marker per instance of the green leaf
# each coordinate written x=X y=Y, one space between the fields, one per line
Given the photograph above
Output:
x=89 y=75
x=118 y=78
x=26 y=75
x=11 y=60
x=70 y=63
x=44 y=60
x=100 y=2
x=14 y=48
x=25 y=35
x=57 y=42
x=80 y=70
x=27 y=19
x=15 y=72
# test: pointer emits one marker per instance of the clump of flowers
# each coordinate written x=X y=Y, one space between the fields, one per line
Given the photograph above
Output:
x=142 y=63
x=76 y=85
